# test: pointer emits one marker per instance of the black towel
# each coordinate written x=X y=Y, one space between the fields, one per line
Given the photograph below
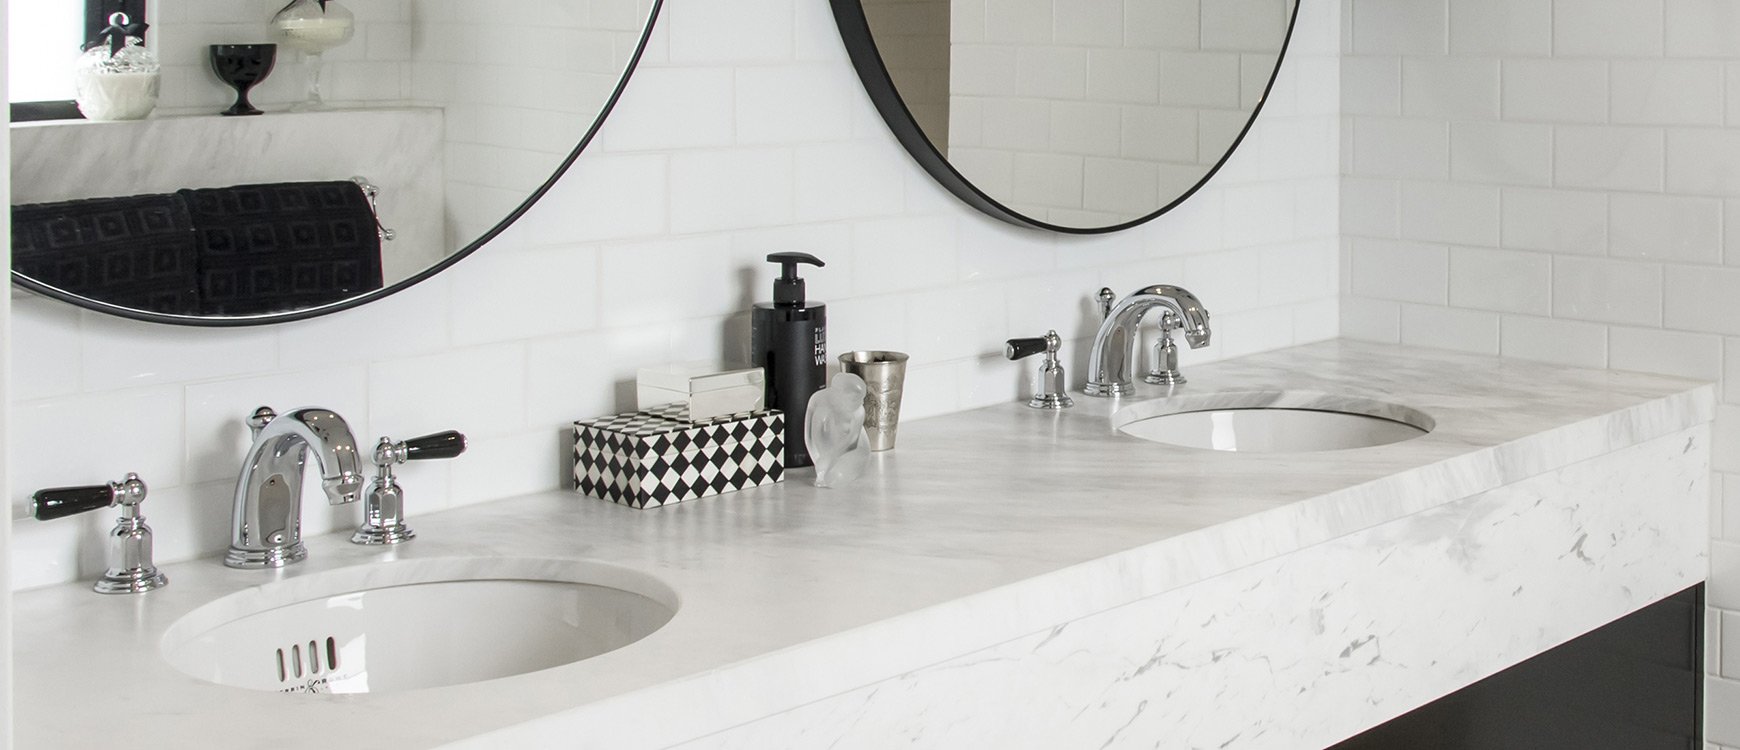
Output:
x=283 y=246
x=136 y=251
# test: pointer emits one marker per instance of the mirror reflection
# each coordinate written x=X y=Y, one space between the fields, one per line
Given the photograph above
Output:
x=1082 y=117
x=454 y=113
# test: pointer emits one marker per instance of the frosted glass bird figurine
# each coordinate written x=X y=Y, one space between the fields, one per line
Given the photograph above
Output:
x=834 y=431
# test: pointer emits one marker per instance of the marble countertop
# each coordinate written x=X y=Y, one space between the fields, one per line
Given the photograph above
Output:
x=980 y=527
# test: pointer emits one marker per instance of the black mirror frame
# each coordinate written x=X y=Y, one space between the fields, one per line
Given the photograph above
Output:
x=867 y=59
x=313 y=312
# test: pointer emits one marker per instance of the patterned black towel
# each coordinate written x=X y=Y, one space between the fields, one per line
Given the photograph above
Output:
x=283 y=246
x=137 y=251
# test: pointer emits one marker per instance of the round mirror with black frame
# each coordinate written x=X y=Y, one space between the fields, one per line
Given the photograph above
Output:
x=1055 y=116
x=495 y=110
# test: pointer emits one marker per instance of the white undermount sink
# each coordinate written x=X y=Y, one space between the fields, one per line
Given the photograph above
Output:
x=416 y=624
x=1272 y=422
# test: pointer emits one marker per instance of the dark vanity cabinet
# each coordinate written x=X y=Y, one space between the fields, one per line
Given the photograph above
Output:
x=1634 y=684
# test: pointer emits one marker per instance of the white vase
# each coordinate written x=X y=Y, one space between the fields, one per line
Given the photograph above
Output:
x=104 y=95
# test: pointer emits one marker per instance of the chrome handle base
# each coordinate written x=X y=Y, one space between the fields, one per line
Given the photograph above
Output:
x=1163 y=368
x=384 y=505
x=130 y=570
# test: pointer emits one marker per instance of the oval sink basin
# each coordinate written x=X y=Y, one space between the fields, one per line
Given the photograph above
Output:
x=417 y=624
x=1270 y=422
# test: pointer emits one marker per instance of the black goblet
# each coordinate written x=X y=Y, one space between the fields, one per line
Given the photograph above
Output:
x=241 y=66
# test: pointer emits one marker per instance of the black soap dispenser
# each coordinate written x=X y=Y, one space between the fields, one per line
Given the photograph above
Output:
x=788 y=338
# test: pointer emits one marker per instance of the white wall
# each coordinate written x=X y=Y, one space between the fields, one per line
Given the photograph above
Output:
x=746 y=132
x=1557 y=180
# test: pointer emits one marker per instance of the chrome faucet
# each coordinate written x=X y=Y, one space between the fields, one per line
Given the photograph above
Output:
x=266 y=526
x=1111 y=362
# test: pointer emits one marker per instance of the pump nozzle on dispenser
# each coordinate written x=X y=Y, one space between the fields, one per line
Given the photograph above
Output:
x=788 y=289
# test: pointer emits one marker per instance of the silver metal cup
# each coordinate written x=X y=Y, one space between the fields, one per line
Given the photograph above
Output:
x=884 y=375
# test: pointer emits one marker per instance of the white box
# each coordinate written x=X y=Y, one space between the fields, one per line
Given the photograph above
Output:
x=705 y=390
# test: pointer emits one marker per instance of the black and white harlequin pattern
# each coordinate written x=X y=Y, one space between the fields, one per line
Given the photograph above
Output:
x=647 y=458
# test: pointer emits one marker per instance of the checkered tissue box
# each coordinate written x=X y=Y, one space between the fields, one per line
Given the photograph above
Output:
x=656 y=457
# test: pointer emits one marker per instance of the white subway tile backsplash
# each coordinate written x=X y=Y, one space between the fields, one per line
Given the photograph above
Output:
x=892 y=255
x=1565 y=342
x=1703 y=299
x=635 y=286
x=1371 y=320
x=760 y=32
x=1520 y=28
x=565 y=294
x=945 y=323
x=1607 y=291
x=1724 y=586
x=818 y=170
x=1298 y=272
x=801 y=104
x=1400 y=27
x=1551 y=90
x=1090 y=23
x=118 y=353
x=50 y=360
x=1371 y=208
x=1701 y=28
x=1608 y=158
x=1501 y=153
x=1450 y=212
x=514 y=465
x=1731 y=232
x=1390 y=147
x=1457 y=88
x=1722 y=727
x=1268 y=211
x=1703 y=161
x=1559 y=221
x=1607 y=28
x=479 y=391
x=1688 y=355
x=1730 y=633
x=1400 y=271
x=1449 y=328
x=1371 y=86
x=1657 y=92
x=1729 y=501
x=731 y=189
x=1665 y=227
x=1500 y=280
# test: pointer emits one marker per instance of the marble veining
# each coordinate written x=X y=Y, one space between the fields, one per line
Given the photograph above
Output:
x=984 y=528
x=1306 y=650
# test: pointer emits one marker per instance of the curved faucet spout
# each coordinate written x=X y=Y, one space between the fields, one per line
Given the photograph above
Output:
x=266 y=525
x=1110 y=368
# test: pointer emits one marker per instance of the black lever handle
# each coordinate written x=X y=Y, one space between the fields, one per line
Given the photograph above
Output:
x=60 y=502
x=439 y=445
x=1022 y=348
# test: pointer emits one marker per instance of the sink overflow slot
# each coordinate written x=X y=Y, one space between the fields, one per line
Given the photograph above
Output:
x=292 y=667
